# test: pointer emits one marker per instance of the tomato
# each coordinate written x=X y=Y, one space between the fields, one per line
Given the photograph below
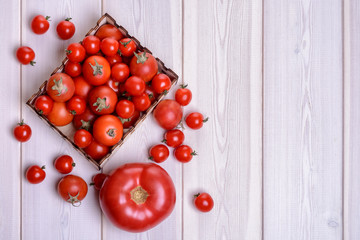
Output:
x=161 y=83
x=126 y=60
x=72 y=189
x=195 y=120
x=113 y=85
x=135 y=86
x=82 y=87
x=59 y=115
x=40 y=24
x=125 y=109
x=127 y=123
x=60 y=87
x=22 y=132
x=72 y=69
x=184 y=153
x=151 y=93
x=82 y=138
x=102 y=100
x=108 y=30
x=109 y=46
x=44 y=104
x=98 y=180
x=159 y=153
x=168 y=114
x=64 y=164
x=114 y=59
x=85 y=120
x=120 y=72
x=108 y=130
x=65 y=29
x=137 y=196
x=142 y=102
x=127 y=47
x=143 y=65
x=203 y=202
x=25 y=55
x=35 y=174
x=96 y=150
x=183 y=95
x=76 y=105
x=91 y=44
x=174 y=138
x=96 y=70
x=122 y=91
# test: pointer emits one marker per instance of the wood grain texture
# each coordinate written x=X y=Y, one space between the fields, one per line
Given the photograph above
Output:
x=222 y=65
x=303 y=120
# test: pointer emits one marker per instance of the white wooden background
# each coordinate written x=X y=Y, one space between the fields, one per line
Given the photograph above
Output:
x=280 y=81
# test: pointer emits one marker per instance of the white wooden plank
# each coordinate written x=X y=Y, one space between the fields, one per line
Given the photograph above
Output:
x=45 y=215
x=157 y=25
x=223 y=67
x=303 y=119
x=10 y=174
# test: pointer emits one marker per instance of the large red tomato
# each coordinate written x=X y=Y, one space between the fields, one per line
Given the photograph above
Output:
x=168 y=114
x=96 y=70
x=102 y=100
x=138 y=196
x=60 y=87
x=143 y=65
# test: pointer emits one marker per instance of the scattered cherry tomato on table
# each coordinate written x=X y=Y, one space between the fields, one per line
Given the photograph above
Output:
x=127 y=47
x=203 y=202
x=168 y=114
x=64 y=164
x=76 y=105
x=44 y=104
x=108 y=30
x=35 y=174
x=143 y=65
x=161 y=83
x=40 y=24
x=184 y=153
x=98 y=180
x=183 y=95
x=65 y=29
x=82 y=138
x=25 y=55
x=174 y=138
x=159 y=153
x=195 y=120
x=91 y=44
x=72 y=189
x=75 y=52
x=22 y=132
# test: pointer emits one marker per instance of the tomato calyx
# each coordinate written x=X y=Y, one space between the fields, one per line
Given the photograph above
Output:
x=32 y=63
x=59 y=86
x=101 y=104
x=206 y=119
x=196 y=195
x=183 y=86
x=194 y=153
x=21 y=123
x=141 y=58
x=40 y=111
x=85 y=125
x=97 y=68
x=139 y=195
x=119 y=52
x=124 y=120
x=73 y=112
x=68 y=19
x=125 y=43
x=47 y=18
x=74 y=200
x=111 y=132
x=43 y=167
x=164 y=141
x=68 y=51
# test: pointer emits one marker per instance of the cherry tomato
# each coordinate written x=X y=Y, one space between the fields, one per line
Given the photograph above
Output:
x=44 y=104
x=174 y=138
x=203 y=202
x=113 y=85
x=91 y=44
x=60 y=87
x=96 y=70
x=82 y=138
x=96 y=150
x=120 y=72
x=35 y=174
x=159 y=153
x=108 y=30
x=114 y=59
x=72 y=69
x=126 y=60
x=98 y=180
x=109 y=46
x=82 y=87
x=25 y=55
x=108 y=130
x=65 y=29
x=64 y=164
x=59 y=115
x=85 y=120
x=195 y=120
x=122 y=91
x=102 y=100
x=143 y=65
x=142 y=102
x=127 y=47
x=22 y=132
x=40 y=24
x=151 y=93
x=75 y=52
x=127 y=123
x=72 y=189
x=183 y=95
x=184 y=153
x=76 y=105
x=168 y=114
x=135 y=86
x=161 y=83
x=125 y=109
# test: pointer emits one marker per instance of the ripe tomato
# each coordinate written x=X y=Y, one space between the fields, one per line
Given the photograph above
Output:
x=65 y=29
x=120 y=72
x=98 y=180
x=72 y=189
x=174 y=138
x=82 y=87
x=203 y=202
x=114 y=59
x=96 y=70
x=40 y=24
x=44 y=104
x=151 y=93
x=135 y=86
x=184 y=153
x=108 y=30
x=195 y=120
x=109 y=46
x=183 y=95
x=75 y=52
x=127 y=47
x=91 y=44
x=113 y=85
x=144 y=65
x=159 y=153
x=96 y=150
x=25 y=55
x=76 y=105
x=72 y=69
x=122 y=91
x=108 y=130
x=168 y=114
x=102 y=100
x=60 y=87
x=59 y=115
x=64 y=164
x=85 y=120
x=22 y=132
x=137 y=196
x=161 y=83
x=82 y=138
x=125 y=109
x=142 y=102
x=35 y=174
x=127 y=123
